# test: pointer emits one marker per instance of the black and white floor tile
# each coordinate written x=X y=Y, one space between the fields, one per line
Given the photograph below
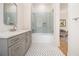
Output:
x=42 y=48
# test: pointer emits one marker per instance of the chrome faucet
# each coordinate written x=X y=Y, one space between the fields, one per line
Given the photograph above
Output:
x=13 y=28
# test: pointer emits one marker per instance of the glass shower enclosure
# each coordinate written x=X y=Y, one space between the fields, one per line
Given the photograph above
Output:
x=42 y=22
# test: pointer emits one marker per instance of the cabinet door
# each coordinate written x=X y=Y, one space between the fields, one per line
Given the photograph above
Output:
x=28 y=40
x=17 y=49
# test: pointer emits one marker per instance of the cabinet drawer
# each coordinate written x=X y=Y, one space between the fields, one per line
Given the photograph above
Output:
x=28 y=40
x=22 y=36
x=17 y=49
x=13 y=40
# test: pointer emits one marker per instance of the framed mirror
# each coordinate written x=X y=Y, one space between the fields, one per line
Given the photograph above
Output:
x=10 y=13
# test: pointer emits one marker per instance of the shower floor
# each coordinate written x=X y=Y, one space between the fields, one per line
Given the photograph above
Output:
x=42 y=45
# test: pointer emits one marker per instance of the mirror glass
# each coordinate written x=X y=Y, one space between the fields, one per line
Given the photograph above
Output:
x=10 y=13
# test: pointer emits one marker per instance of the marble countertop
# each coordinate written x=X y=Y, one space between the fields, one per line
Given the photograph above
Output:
x=8 y=34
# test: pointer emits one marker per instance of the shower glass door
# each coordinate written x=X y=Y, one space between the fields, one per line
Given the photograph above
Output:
x=42 y=22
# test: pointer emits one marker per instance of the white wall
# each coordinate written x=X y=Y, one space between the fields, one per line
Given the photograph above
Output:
x=56 y=7
x=73 y=30
x=24 y=16
x=64 y=14
x=27 y=16
x=63 y=10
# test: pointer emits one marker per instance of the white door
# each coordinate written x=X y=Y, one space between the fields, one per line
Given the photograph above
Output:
x=73 y=29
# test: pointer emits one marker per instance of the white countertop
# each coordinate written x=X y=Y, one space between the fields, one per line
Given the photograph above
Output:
x=8 y=34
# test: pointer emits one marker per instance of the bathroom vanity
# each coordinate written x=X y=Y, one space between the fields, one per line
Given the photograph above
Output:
x=15 y=43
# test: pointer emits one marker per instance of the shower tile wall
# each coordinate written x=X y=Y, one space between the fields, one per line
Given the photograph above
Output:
x=42 y=22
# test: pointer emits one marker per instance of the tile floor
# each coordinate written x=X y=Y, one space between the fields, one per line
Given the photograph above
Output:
x=45 y=48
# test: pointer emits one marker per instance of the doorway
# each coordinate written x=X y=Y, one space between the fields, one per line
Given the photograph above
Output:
x=43 y=42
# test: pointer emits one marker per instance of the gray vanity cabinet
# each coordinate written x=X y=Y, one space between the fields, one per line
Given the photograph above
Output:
x=15 y=46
